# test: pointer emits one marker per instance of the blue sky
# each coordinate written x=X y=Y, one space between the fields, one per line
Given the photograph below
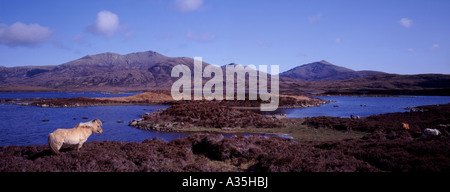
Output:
x=395 y=36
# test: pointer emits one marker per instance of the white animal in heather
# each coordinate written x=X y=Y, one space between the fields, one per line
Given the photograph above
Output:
x=429 y=131
x=75 y=136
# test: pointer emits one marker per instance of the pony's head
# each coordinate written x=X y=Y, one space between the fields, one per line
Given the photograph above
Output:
x=95 y=125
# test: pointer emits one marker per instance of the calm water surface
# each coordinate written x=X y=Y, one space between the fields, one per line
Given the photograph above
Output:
x=364 y=106
x=25 y=125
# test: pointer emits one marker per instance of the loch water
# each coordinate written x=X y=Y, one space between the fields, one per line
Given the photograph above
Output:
x=30 y=125
x=344 y=106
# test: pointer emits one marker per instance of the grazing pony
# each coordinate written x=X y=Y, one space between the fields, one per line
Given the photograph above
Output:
x=75 y=136
x=405 y=126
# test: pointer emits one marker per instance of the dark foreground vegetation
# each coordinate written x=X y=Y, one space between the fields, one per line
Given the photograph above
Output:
x=201 y=152
x=387 y=146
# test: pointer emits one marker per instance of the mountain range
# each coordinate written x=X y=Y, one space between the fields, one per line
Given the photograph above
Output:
x=150 y=70
x=105 y=71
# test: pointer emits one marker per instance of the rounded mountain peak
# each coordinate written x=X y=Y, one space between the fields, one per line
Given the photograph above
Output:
x=325 y=62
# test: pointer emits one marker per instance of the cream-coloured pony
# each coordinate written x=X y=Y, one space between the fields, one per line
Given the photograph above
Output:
x=405 y=126
x=75 y=136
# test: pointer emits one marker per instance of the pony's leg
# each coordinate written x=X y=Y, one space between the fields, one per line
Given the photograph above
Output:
x=55 y=143
x=79 y=146
x=56 y=146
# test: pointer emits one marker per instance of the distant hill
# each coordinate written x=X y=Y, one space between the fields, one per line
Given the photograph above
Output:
x=421 y=84
x=105 y=71
x=324 y=71
x=151 y=70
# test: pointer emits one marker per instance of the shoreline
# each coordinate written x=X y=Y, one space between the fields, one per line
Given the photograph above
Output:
x=363 y=93
x=384 y=146
x=162 y=97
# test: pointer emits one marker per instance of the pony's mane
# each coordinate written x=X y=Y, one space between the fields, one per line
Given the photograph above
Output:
x=89 y=124
x=85 y=125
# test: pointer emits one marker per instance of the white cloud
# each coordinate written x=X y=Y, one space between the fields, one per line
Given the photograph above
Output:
x=202 y=38
x=107 y=23
x=315 y=18
x=188 y=5
x=405 y=22
x=20 y=34
x=435 y=46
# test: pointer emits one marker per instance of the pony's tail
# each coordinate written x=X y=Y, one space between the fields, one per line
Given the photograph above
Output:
x=53 y=143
